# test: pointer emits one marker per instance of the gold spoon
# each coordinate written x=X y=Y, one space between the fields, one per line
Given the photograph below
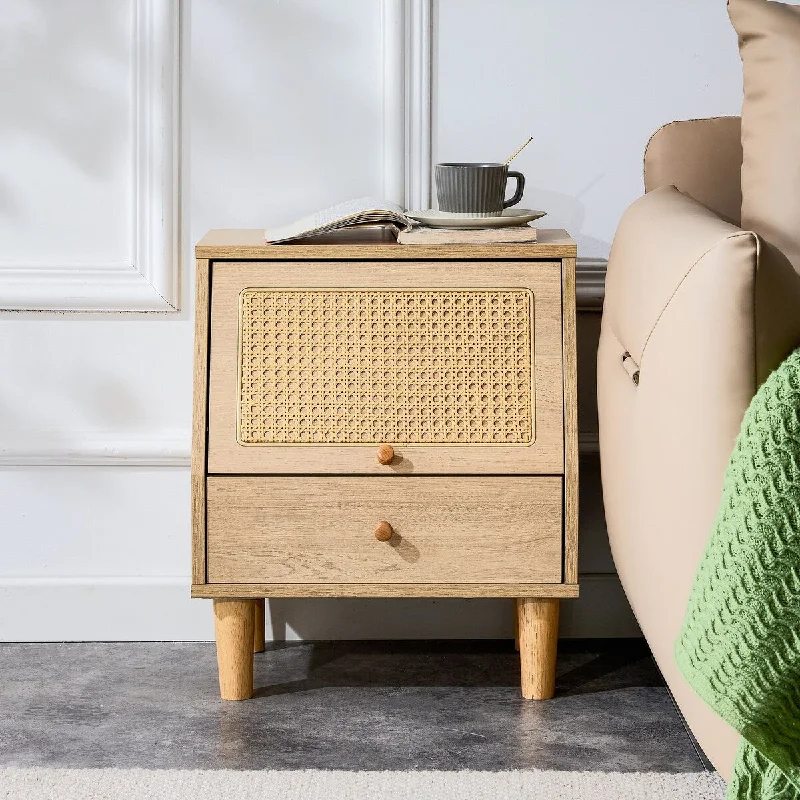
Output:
x=519 y=151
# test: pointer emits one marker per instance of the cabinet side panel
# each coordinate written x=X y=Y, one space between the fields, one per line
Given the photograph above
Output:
x=570 y=423
x=199 y=420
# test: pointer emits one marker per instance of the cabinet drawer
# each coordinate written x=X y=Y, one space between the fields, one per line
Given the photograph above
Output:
x=456 y=365
x=283 y=530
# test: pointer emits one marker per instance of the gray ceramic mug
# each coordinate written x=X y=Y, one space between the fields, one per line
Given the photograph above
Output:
x=476 y=190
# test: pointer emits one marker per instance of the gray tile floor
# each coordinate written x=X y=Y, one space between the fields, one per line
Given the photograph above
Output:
x=344 y=705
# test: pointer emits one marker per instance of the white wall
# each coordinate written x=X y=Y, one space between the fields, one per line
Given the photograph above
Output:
x=283 y=110
x=590 y=81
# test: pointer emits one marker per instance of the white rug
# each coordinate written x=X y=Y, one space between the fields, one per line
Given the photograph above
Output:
x=131 y=784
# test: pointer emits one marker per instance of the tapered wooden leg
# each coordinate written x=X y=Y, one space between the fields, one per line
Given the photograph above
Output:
x=259 y=642
x=538 y=640
x=233 y=623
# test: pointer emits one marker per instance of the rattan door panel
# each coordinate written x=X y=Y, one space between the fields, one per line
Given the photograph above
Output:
x=457 y=365
x=471 y=530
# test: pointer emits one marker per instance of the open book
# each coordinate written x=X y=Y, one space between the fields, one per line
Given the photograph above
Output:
x=362 y=211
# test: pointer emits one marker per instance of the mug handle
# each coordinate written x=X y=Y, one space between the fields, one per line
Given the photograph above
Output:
x=520 y=188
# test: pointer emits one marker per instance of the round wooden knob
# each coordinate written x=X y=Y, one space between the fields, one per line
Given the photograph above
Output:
x=385 y=454
x=383 y=531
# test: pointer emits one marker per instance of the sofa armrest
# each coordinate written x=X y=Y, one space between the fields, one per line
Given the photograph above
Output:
x=702 y=158
x=704 y=311
x=665 y=244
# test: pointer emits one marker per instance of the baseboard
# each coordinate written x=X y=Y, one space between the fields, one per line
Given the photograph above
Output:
x=590 y=283
x=589 y=442
x=126 y=609
x=160 y=609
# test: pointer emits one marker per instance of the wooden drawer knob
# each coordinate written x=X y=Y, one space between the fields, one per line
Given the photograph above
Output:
x=385 y=454
x=383 y=531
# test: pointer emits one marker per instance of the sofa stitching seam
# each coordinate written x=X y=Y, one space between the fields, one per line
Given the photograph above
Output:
x=681 y=282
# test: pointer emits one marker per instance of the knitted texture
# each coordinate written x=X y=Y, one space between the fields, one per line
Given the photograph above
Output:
x=740 y=643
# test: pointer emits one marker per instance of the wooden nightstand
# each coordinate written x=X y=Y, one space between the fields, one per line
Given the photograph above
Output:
x=383 y=420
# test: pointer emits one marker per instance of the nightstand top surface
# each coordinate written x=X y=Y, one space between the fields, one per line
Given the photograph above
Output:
x=373 y=244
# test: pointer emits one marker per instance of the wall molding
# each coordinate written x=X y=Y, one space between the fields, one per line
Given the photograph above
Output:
x=167 y=448
x=419 y=102
x=407 y=96
x=394 y=140
x=149 y=282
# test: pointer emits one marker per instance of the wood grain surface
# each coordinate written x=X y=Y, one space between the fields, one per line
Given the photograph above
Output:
x=538 y=643
x=570 y=424
x=373 y=244
x=544 y=456
x=199 y=420
x=465 y=590
x=446 y=530
x=234 y=626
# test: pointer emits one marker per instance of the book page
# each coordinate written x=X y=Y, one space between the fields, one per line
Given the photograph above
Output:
x=362 y=210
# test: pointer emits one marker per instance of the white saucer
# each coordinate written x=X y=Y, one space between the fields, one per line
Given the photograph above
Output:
x=443 y=219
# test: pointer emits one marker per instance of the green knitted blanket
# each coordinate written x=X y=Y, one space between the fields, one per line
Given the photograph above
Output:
x=740 y=643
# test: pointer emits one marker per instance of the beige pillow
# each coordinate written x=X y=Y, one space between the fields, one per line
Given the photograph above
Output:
x=769 y=43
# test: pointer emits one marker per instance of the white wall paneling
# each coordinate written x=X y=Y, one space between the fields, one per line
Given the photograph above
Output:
x=419 y=93
x=168 y=448
x=288 y=107
x=407 y=90
x=148 y=279
x=394 y=92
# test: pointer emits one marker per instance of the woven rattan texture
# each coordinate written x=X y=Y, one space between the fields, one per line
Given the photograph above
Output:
x=368 y=366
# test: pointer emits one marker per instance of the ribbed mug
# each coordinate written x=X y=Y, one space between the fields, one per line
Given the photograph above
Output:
x=476 y=190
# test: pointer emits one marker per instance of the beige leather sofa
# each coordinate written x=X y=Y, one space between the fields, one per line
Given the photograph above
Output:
x=681 y=354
